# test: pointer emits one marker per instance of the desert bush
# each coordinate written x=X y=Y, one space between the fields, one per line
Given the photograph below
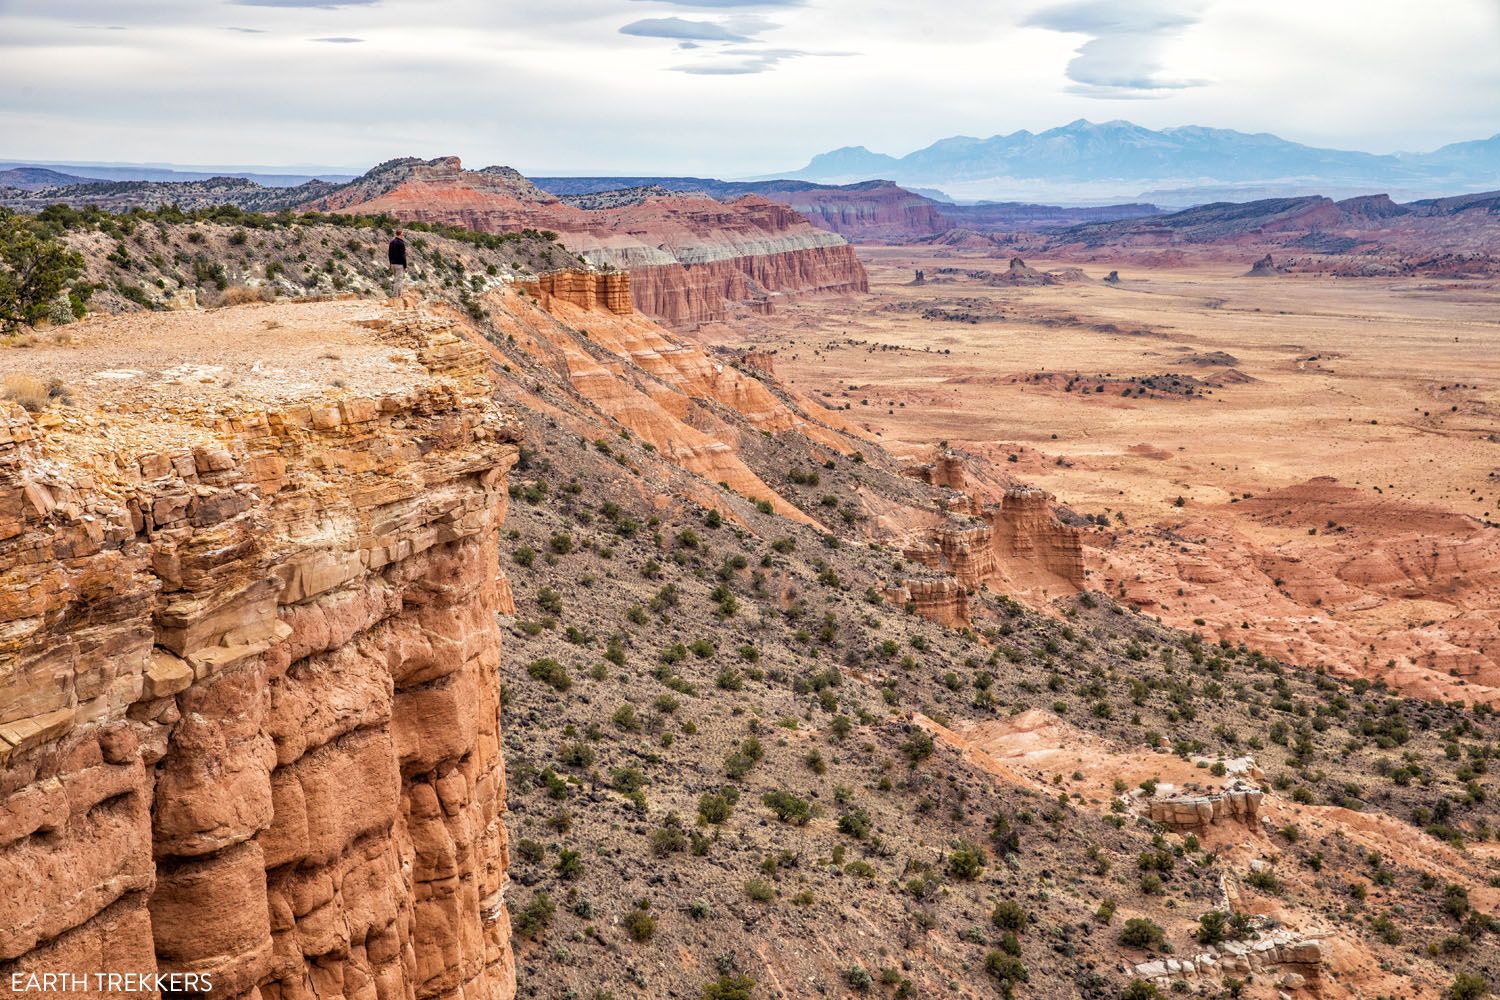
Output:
x=856 y=823
x=535 y=917
x=1141 y=932
x=1468 y=986
x=551 y=673
x=966 y=862
x=715 y=807
x=35 y=267
x=729 y=988
x=1008 y=915
x=639 y=923
x=1007 y=970
x=626 y=719
x=28 y=390
x=239 y=295
x=788 y=807
x=760 y=890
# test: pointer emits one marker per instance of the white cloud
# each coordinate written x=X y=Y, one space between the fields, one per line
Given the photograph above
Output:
x=557 y=87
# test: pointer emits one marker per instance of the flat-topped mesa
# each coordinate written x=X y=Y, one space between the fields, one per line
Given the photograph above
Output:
x=249 y=689
x=692 y=259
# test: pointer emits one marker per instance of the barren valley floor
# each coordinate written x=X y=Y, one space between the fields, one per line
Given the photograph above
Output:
x=1336 y=456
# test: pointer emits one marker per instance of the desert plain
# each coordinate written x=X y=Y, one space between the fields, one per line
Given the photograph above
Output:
x=1303 y=463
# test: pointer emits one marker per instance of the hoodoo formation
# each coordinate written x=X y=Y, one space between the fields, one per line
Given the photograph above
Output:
x=249 y=724
x=691 y=259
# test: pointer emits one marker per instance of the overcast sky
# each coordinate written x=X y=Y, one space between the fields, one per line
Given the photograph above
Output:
x=718 y=87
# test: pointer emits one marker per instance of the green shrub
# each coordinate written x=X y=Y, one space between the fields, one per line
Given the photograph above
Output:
x=626 y=719
x=856 y=823
x=639 y=923
x=1140 y=932
x=1007 y=970
x=714 y=808
x=966 y=862
x=760 y=890
x=551 y=673
x=1008 y=915
x=858 y=979
x=730 y=988
x=535 y=918
x=788 y=807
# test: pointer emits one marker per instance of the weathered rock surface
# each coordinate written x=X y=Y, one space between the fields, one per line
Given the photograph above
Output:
x=249 y=689
x=1193 y=812
x=1291 y=960
x=868 y=211
x=690 y=258
x=1016 y=543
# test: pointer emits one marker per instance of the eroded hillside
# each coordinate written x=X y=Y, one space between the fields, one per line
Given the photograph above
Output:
x=783 y=716
x=732 y=755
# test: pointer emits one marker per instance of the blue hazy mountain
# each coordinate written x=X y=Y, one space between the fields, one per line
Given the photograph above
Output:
x=1121 y=158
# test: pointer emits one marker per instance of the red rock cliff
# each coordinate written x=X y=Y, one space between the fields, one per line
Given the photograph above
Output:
x=874 y=210
x=1016 y=545
x=249 y=690
x=691 y=258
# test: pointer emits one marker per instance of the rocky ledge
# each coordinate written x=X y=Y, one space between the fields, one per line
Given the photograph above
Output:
x=249 y=682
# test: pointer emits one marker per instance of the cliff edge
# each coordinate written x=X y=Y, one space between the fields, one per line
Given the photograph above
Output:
x=249 y=689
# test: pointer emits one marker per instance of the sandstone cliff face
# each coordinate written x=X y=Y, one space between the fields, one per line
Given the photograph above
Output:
x=585 y=289
x=1017 y=545
x=249 y=688
x=691 y=258
x=875 y=210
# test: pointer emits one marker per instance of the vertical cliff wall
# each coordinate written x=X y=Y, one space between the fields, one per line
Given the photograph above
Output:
x=249 y=689
x=1016 y=545
x=609 y=291
x=691 y=259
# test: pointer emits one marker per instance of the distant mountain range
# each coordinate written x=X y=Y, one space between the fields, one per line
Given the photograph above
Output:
x=63 y=173
x=1085 y=162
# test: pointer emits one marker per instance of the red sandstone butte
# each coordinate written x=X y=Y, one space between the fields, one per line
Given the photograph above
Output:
x=691 y=259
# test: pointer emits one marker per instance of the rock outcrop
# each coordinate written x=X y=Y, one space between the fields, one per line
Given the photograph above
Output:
x=940 y=599
x=586 y=289
x=1288 y=960
x=868 y=211
x=691 y=259
x=1265 y=267
x=249 y=689
x=1186 y=811
x=1016 y=544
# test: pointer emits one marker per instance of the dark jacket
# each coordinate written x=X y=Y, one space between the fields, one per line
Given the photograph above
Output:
x=397 y=251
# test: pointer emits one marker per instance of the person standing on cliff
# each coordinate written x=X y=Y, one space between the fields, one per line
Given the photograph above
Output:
x=396 y=254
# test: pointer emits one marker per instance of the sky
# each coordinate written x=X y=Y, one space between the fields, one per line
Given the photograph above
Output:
x=726 y=88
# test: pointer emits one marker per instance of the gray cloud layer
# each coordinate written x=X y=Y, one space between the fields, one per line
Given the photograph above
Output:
x=682 y=29
x=1124 y=57
x=556 y=87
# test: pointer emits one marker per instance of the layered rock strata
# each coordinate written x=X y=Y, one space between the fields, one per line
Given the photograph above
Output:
x=1240 y=803
x=586 y=289
x=692 y=259
x=1017 y=544
x=1288 y=960
x=249 y=690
